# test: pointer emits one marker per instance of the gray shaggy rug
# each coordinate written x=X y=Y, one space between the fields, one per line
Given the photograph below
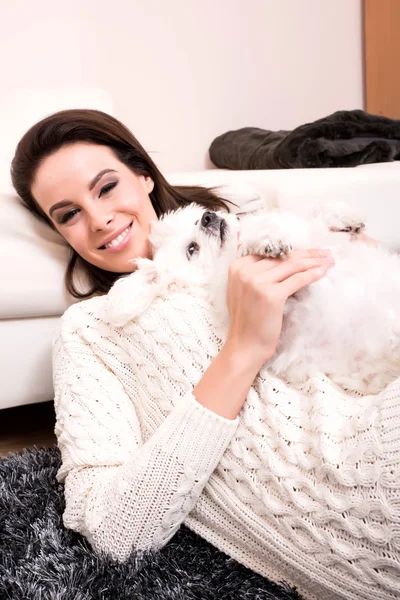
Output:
x=41 y=560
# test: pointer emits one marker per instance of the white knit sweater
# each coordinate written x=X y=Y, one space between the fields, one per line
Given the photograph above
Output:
x=304 y=486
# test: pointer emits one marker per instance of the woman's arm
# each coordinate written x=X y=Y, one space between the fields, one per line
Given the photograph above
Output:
x=122 y=493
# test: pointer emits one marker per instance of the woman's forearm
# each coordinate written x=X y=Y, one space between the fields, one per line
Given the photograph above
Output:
x=227 y=381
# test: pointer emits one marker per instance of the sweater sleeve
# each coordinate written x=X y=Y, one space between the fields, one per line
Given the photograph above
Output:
x=123 y=494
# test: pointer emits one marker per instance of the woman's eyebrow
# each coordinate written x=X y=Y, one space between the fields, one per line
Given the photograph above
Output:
x=95 y=179
x=99 y=176
x=61 y=204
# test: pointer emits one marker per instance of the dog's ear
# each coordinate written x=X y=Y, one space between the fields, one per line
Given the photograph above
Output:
x=131 y=295
x=160 y=231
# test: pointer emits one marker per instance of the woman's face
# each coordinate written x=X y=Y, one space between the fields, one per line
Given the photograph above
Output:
x=98 y=204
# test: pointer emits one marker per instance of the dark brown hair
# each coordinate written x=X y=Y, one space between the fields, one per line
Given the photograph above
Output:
x=92 y=126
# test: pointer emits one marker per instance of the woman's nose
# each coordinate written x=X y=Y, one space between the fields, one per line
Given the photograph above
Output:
x=99 y=221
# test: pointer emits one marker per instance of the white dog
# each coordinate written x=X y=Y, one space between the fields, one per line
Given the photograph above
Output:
x=346 y=325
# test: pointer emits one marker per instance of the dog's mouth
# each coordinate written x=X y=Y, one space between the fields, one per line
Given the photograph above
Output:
x=223 y=228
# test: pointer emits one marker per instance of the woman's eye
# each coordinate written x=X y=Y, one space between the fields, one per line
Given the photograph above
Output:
x=68 y=215
x=107 y=188
x=192 y=249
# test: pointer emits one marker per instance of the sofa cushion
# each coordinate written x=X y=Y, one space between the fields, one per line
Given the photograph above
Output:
x=32 y=264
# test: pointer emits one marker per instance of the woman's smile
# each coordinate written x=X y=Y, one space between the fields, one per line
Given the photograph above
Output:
x=118 y=241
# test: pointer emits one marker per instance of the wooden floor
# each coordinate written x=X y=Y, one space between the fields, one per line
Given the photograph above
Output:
x=26 y=426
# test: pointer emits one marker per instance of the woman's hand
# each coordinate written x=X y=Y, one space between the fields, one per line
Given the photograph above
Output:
x=257 y=291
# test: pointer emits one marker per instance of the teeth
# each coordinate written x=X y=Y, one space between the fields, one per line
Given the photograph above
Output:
x=116 y=241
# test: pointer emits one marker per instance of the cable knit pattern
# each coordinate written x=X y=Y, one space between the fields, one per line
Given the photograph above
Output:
x=303 y=486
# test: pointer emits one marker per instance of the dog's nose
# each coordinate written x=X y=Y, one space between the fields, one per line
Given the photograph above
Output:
x=208 y=219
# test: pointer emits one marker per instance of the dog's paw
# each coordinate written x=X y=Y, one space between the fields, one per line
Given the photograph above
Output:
x=118 y=312
x=356 y=226
x=271 y=235
x=274 y=249
x=267 y=247
x=132 y=294
x=340 y=217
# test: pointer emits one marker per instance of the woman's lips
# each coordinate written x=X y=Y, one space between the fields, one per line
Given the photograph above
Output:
x=121 y=245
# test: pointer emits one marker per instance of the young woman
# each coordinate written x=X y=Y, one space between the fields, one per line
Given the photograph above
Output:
x=147 y=420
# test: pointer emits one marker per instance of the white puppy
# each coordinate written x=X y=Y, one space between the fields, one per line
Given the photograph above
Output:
x=346 y=325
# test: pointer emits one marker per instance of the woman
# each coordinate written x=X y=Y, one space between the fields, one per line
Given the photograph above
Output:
x=144 y=422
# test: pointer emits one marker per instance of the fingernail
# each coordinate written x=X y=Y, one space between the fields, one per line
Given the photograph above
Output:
x=324 y=252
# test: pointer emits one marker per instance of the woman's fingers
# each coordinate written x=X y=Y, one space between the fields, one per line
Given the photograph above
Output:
x=296 y=282
x=309 y=253
x=296 y=265
x=297 y=271
x=254 y=265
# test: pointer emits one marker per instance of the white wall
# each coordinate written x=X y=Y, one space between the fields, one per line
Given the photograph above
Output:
x=182 y=72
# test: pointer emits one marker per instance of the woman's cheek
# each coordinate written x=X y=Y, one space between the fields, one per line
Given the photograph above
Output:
x=79 y=243
x=127 y=205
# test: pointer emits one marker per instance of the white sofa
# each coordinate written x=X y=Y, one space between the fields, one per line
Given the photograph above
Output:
x=33 y=258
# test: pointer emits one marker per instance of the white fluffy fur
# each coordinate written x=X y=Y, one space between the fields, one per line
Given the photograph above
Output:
x=347 y=325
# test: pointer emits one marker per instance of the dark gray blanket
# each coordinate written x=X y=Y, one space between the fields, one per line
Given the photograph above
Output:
x=41 y=560
x=344 y=139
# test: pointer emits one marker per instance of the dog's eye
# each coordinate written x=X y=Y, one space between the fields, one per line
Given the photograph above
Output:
x=193 y=248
